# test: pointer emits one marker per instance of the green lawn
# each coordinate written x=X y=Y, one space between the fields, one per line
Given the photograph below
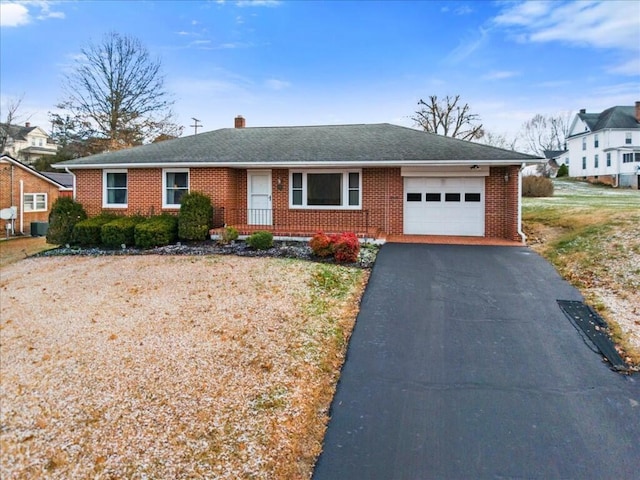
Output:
x=591 y=234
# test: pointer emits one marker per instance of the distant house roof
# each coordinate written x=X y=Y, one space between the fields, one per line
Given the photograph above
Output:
x=63 y=183
x=615 y=117
x=17 y=132
x=551 y=154
x=64 y=179
x=363 y=144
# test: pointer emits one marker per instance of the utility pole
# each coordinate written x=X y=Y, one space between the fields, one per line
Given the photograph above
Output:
x=195 y=125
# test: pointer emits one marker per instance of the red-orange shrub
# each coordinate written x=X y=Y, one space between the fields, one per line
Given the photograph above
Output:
x=321 y=244
x=346 y=248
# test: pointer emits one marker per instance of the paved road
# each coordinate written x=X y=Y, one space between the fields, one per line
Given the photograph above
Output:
x=462 y=366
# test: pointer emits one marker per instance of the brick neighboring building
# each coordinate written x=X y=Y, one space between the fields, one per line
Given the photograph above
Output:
x=376 y=180
x=31 y=192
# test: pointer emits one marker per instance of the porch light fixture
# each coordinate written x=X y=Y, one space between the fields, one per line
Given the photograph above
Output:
x=279 y=183
x=506 y=177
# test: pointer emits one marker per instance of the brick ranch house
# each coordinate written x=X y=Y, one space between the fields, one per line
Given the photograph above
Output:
x=30 y=192
x=377 y=180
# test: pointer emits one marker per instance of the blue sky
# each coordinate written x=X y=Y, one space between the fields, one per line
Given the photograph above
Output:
x=335 y=62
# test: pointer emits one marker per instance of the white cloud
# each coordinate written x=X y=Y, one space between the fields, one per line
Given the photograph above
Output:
x=275 y=84
x=258 y=3
x=500 y=75
x=597 y=24
x=630 y=67
x=13 y=15
x=468 y=46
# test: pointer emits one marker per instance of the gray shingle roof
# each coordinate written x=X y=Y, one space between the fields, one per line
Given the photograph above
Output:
x=366 y=143
x=17 y=132
x=614 y=117
x=64 y=179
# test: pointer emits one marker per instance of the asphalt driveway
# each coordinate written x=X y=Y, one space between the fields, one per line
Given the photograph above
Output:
x=462 y=366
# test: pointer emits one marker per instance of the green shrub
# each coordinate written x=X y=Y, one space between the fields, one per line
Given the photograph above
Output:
x=533 y=186
x=156 y=231
x=65 y=213
x=563 y=171
x=196 y=216
x=260 y=240
x=322 y=244
x=228 y=235
x=346 y=248
x=120 y=231
x=87 y=233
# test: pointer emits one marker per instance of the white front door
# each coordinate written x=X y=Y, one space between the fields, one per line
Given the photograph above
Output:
x=259 y=201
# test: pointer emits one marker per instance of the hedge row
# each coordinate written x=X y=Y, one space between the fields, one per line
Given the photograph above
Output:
x=68 y=224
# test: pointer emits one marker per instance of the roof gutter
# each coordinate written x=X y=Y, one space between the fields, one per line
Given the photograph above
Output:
x=303 y=164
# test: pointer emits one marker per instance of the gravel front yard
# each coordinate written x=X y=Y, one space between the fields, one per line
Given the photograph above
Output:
x=169 y=366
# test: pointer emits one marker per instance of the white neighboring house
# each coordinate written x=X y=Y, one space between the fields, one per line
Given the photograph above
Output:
x=605 y=147
x=27 y=143
x=555 y=158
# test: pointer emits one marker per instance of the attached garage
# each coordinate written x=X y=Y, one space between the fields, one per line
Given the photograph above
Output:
x=441 y=205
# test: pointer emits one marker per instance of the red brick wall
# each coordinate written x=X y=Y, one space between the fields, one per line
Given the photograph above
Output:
x=382 y=198
x=10 y=176
x=145 y=189
x=501 y=203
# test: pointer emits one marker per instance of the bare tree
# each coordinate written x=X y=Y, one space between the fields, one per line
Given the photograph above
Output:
x=117 y=90
x=546 y=132
x=500 y=140
x=448 y=117
x=11 y=117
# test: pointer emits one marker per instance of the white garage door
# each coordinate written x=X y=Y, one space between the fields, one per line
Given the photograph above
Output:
x=444 y=206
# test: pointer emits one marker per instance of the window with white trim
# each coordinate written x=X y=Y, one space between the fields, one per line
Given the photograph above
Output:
x=584 y=163
x=35 y=202
x=595 y=161
x=326 y=189
x=630 y=157
x=115 y=188
x=175 y=183
x=596 y=142
x=627 y=138
x=584 y=143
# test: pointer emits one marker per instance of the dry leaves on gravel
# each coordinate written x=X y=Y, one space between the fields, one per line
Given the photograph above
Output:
x=169 y=367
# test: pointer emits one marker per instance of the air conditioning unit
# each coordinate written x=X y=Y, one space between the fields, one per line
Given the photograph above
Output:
x=39 y=229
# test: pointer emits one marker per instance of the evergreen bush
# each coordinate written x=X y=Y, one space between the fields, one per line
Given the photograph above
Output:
x=260 y=240
x=120 y=231
x=87 y=233
x=65 y=213
x=156 y=231
x=563 y=171
x=196 y=216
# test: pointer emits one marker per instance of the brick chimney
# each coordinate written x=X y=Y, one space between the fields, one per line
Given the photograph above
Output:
x=28 y=125
x=638 y=112
x=240 y=122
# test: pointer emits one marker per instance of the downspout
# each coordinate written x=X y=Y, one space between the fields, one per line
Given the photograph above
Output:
x=22 y=207
x=66 y=169
x=520 y=232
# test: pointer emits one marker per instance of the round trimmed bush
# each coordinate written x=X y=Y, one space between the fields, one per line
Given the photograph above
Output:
x=260 y=240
